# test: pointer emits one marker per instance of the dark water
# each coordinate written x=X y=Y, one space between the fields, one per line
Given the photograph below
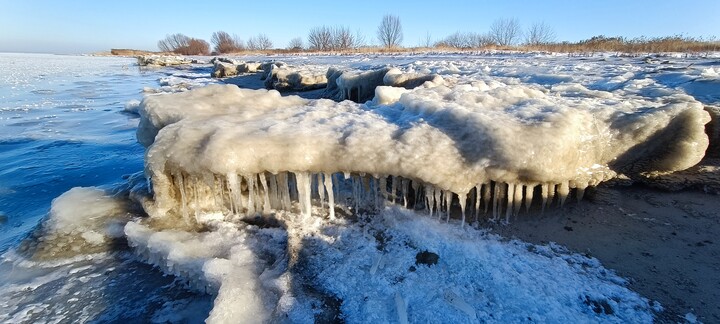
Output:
x=63 y=125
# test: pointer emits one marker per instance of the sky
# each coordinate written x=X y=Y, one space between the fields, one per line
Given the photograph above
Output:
x=72 y=26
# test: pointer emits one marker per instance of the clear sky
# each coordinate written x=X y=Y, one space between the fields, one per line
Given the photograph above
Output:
x=70 y=26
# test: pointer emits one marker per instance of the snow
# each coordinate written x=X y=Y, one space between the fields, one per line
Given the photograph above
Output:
x=370 y=266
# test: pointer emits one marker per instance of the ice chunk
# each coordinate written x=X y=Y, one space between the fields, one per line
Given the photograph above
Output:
x=82 y=220
x=162 y=60
x=352 y=85
x=288 y=79
x=449 y=138
x=396 y=78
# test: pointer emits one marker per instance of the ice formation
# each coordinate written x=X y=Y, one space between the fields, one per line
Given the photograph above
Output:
x=254 y=273
x=162 y=60
x=396 y=78
x=81 y=221
x=223 y=68
x=494 y=147
x=286 y=79
x=360 y=86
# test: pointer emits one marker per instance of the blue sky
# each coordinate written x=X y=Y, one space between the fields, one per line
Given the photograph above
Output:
x=86 y=26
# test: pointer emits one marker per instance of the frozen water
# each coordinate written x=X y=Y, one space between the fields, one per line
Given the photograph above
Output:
x=452 y=138
x=238 y=178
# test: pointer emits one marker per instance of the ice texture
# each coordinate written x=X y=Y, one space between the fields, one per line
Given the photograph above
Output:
x=214 y=100
x=263 y=274
x=226 y=149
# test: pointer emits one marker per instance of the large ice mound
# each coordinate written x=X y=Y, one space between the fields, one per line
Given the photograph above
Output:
x=227 y=149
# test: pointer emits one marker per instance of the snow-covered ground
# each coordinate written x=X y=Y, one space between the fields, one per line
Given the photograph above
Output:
x=241 y=185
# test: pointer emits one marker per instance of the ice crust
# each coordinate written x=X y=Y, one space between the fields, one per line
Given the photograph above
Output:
x=262 y=274
x=227 y=149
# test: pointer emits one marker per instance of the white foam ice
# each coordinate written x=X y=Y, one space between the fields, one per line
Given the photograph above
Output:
x=449 y=138
x=372 y=269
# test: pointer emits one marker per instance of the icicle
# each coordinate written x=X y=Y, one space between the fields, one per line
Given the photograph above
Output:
x=551 y=193
x=430 y=197
x=251 y=195
x=580 y=190
x=383 y=187
x=365 y=184
x=405 y=191
x=393 y=189
x=517 y=201
x=234 y=186
x=331 y=195
x=510 y=201
x=274 y=200
x=304 y=192
x=486 y=195
x=197 y=198
x=563 y=192
x=438 y=201
x=284 y=191
x=496 y=201
x=462 y=199
x=321 y=189
x=230 y=197
x=544 y=191
x=529 y=192
x=448 y=201
x=265 y=192
x=356 y=192
x=478 y=196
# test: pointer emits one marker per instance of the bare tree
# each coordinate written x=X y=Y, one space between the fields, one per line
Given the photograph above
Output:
x=181 y=44
x=539 y=34
x=259 y=43
x=172 y=42
x=320 y=38
x=389 y=32
x=505 y=32
x=359 y=39
x=224 y=43
x=342 y=38
x=295 y=44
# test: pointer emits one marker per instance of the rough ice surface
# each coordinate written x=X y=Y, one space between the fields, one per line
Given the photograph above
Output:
x=263 y=274
x=213 y=100
x=222 y=149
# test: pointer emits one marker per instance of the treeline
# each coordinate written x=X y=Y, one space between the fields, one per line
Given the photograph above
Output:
x=505 y=33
